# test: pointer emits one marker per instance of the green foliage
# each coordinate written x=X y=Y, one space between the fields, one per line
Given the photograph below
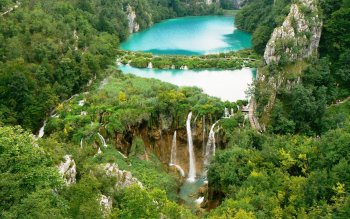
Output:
x=335 y=43
x=230 y=60
x=83 y=198
x=50 y=50
x=28 y=180
x=260 y=18
x=139 y=203
x=288 y=176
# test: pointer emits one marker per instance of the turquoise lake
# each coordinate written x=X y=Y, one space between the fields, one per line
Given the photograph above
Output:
x=195 y=36
x=226 y=84
x=190 y=36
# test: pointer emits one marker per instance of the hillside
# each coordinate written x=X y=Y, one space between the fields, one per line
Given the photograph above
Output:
x=81 y=139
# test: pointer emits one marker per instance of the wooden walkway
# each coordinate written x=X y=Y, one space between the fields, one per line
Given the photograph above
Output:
x=254 y=123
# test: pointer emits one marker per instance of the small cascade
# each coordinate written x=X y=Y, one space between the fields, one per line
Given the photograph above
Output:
x=99 y=151
x=81 y=143
x=173 y=150
x=211 y=147
x=102 y=139
x=192 y=164
x=42 y=130
x=199 y=200
x=150 y=65
x=226 y=113
x=81 y=102
x=232 y=112
x=179 y=168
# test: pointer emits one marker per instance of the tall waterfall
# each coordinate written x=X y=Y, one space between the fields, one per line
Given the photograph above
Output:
x=211 y=147
x=173 y=150
x=42 y=130
x=192 y=169
x=102 y=139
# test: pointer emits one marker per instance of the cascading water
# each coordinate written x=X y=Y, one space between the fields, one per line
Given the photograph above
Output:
x=81 y=143
x=173 y=150
x=102 y=139
x=42 y=130
x=173 y=160
x=226 y=113
x=211 y=147
x=199 y=200
x=150 y=65
x=192 y=166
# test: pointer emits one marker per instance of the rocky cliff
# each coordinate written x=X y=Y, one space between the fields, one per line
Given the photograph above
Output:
x=68 y=170
x=123 y=178
x=133 y=25
x=290 y=44
x=299 y=35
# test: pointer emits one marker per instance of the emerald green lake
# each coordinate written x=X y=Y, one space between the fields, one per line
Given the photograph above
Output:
x=195 y=36
x=190 y=36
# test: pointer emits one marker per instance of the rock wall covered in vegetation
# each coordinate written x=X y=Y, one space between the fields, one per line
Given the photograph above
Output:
x=299 y=35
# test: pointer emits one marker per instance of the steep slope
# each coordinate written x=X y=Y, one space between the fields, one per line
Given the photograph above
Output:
x=50 y=50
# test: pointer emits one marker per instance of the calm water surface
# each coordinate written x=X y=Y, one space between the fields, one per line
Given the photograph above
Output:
x=195 y=36
x=190 y=36
x=226 y=84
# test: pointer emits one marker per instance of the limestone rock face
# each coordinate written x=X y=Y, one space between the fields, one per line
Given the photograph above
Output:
x=106 y=205
x=124 y=178
x=68 y=170
x=133 y=25
x=299 y=35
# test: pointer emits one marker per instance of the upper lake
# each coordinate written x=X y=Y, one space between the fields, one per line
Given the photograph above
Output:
x=195 y=36
x=190 y=36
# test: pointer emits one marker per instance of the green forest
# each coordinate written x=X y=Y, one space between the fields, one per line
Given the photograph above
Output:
x=80 y=139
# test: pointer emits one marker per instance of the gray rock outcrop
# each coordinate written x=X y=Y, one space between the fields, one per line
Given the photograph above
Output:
x=106 y=205
x=123 y=178
x=68 y=170
x=133 y=25
x=299 y=35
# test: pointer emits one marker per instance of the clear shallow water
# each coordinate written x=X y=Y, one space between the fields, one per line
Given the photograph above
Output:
x=226 y=84
x=190 y=36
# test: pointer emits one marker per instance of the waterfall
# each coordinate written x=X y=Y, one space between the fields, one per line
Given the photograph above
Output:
x=226 y=113
x=199 y=200
x=173 y=160
x=173 y=150
x=232 y=112
x=192 y=169
x=211 y=147
x=150 y=65
x=203 y=137
x=42 y=130
x=102 y=139
x=81 y=143
x=179 y=168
